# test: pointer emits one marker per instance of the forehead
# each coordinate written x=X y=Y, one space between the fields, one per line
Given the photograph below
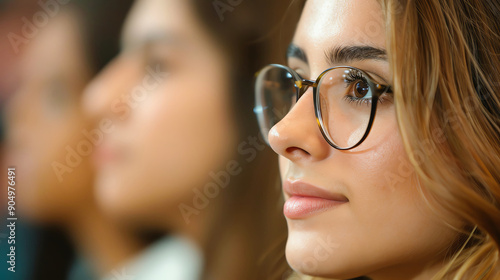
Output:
x=329 y=23
x=150 y=18
x=58 y=48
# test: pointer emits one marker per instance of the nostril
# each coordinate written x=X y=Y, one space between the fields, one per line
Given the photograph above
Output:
x=297 y=152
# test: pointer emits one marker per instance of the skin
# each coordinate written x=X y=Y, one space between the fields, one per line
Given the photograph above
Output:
x=385 y=230
x=43 y=118
x=164 y=146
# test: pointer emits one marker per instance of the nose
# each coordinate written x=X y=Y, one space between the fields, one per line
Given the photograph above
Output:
x=297 y=136
x=107 y=94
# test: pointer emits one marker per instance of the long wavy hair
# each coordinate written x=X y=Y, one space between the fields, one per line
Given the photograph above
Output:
x=445 y=60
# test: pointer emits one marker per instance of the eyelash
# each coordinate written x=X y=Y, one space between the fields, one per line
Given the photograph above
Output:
x=358 y=101
x=350 y=79
x=356 y=76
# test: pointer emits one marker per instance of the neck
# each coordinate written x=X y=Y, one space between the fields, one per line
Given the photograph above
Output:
x=415 y=272
x=102 y=241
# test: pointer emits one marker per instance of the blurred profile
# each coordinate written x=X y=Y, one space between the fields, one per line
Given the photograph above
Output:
x=181 y=152
x=46 y=142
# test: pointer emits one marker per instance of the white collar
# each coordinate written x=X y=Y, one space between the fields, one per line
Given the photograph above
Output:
x=171 y=258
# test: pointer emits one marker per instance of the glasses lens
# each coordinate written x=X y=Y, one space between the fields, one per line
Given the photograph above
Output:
x=345 y=101
x=275 y=94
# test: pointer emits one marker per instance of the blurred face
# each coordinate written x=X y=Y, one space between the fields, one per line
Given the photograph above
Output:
x=167 y=96
x=346 y=216
x=44 y=120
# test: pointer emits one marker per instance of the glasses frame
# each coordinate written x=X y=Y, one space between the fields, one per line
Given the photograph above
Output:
x=302 y=85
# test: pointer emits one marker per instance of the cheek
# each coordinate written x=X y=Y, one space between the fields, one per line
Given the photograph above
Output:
x=162 y=141
x=387 y=202
x=378 y=170
x=381 y=195
x=187 y=124
x=50 y=182
x=176 y=137
x=386 y=221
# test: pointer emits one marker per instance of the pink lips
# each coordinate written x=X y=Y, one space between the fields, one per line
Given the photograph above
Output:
x=306 y=199
x=106 y=154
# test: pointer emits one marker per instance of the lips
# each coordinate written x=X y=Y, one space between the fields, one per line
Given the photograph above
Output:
x=106 y=154
x=306 y=200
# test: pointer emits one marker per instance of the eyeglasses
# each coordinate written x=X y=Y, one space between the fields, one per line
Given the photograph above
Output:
x=345 y=101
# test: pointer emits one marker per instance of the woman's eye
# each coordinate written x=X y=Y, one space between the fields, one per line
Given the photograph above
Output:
x=361 y=89
x=358 y=92
x=357 y=85
x=159 y=64
x=158 y=57
x=58 y=95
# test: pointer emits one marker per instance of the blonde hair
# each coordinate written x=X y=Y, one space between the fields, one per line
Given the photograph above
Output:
x=445 y=61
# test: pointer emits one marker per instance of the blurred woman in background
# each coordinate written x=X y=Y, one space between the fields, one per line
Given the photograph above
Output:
x=46 y=139
x=184 y=155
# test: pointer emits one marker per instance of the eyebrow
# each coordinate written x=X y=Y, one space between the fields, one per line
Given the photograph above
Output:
x=345 y=54
x=342 y=54
x=154 y=38
x=297 y=52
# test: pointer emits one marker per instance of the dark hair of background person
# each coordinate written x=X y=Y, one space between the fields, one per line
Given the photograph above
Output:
x=253 y=34
x=101 y=23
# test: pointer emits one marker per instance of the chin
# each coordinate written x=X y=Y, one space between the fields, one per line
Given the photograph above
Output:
x=315 y=254
x=110 y=195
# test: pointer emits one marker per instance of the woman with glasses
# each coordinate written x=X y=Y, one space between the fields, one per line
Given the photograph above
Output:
x=386 y=120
